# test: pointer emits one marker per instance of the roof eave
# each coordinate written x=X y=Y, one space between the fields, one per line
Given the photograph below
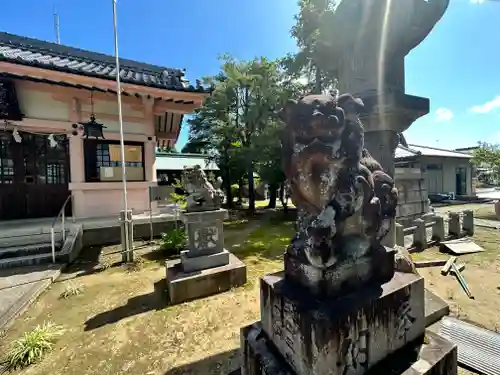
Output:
x=34 y=64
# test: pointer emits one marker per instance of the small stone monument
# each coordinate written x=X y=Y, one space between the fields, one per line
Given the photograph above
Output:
x=206 y=267
x=345 y=304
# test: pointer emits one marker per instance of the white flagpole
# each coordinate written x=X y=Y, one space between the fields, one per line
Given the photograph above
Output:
x=120 y=120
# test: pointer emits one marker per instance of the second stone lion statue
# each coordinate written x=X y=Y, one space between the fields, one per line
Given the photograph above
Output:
x=202 y=195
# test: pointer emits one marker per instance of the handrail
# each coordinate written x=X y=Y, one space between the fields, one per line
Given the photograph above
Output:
x=61 y=215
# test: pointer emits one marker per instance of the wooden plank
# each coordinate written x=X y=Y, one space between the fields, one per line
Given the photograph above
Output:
x=462 y=281
x=461 y=246
x=430 y=263
x=447 y=266
x=460 y=267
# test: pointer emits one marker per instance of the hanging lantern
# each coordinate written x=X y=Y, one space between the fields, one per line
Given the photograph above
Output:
x=90 y=128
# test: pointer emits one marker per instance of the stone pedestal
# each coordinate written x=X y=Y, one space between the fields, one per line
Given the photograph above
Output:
x=428 y=355
x=353 y=333
x=206 y=267
x=186 y=286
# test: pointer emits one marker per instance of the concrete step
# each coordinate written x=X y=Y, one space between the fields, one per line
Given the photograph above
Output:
x=25 y=250
x=28 y=239
x=27 y=260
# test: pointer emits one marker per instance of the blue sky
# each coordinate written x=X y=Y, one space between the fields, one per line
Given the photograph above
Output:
x=456 y=66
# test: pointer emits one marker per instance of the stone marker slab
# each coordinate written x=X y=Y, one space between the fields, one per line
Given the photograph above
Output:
x=192 y=264
x=312 y=335
x=183 y=286
x=205 y=231
x=432 y=355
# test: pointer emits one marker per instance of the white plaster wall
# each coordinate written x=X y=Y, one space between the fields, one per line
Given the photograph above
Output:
x=45 y=115
x=40 y=105
x=448 y=171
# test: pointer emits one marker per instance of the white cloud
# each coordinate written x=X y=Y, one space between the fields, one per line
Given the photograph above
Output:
x=488 y=106
x=443 y=114
x=477 y=1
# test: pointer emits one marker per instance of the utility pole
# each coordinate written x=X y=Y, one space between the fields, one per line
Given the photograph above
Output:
x=125 y=215
x=56 y=26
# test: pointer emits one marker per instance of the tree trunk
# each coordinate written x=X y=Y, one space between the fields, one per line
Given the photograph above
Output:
x=283 y=200
x=251 y=189
x=318 y=87
x=240 y=191
x=227 y=188
x=227 y=180
x=273 y=188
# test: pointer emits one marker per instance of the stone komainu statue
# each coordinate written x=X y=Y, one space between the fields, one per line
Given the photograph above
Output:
x=346 y=202
x=202 y=195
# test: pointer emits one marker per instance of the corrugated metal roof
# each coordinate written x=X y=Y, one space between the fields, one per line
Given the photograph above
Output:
x=431 y=151
x=176 y=162
x=402 y=152
x=478 y=348
x=415 y=150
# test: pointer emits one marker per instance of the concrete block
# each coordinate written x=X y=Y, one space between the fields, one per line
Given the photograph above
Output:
x=192 y=264
x=468 y=222
x=435 y=308
x=438 y=233
x=183 y=286
x=454 y=224
x=312 y=334
x=420 y=235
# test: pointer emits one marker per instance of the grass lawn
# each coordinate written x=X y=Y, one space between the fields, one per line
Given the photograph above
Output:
x=482 y=276
x=120 y=324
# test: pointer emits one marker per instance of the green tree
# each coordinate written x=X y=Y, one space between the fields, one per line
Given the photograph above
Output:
x=194 y=146
x=168 y=150
x=312 y=34
x=488 y=156
x=245 y=100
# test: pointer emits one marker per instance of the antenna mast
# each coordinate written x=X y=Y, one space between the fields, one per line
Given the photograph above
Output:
x=56 y=26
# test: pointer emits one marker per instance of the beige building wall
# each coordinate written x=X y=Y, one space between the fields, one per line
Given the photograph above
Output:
x=412 y=194
x=49 y=109
x=445 y=178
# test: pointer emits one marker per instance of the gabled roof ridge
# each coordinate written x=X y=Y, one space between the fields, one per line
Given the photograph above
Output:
x=416 y=152
x=437 y=148
x=48 y=55
x=23 y=42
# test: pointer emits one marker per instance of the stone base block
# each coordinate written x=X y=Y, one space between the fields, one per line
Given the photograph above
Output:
x=429 y=355
x=375 y=267
x=364 y=327
x=192 y=264
x=435 y=308
x=183 y=286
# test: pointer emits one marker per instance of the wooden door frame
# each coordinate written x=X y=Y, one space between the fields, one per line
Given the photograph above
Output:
x=45 y=195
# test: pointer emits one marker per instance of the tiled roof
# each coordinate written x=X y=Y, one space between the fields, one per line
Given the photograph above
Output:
x=33 y=52
x=415 y=150
x=176 y=162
